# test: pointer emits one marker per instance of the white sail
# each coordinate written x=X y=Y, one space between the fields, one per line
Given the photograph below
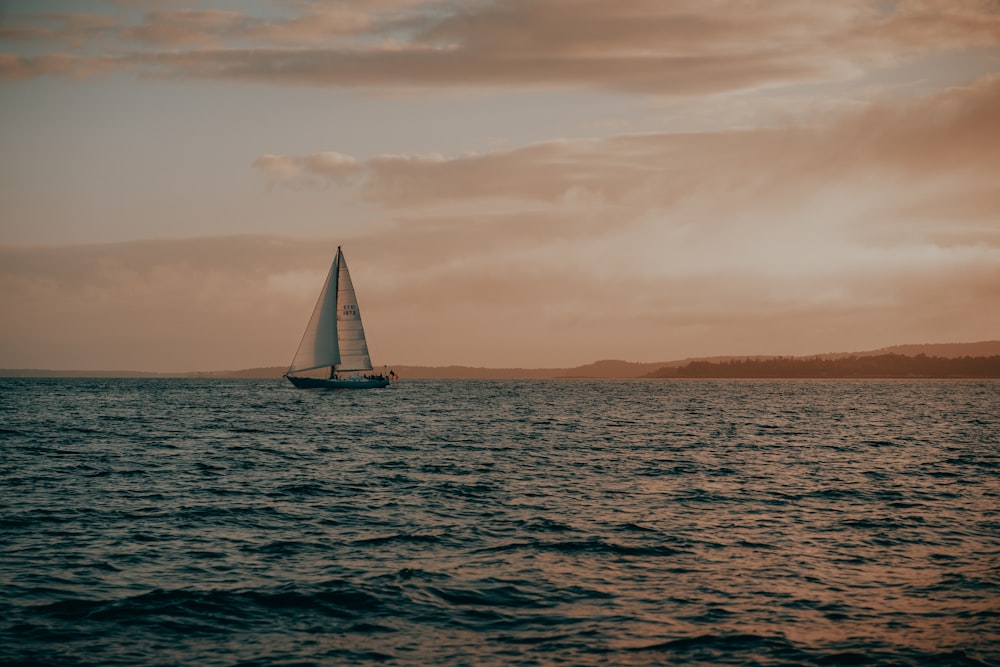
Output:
x=334 y=336
x=350 y=332
x=318 y=347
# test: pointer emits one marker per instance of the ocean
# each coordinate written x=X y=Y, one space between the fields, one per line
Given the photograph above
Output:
x=244 y=522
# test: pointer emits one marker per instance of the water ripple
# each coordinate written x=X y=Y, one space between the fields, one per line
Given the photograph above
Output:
x=500 y=522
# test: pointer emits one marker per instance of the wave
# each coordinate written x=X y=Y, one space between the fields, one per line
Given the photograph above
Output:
x=493 y=523
x=589 y=546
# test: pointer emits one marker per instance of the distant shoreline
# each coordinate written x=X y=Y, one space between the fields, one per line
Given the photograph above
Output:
x=932 y=361
x=885 y=366
x=12 y=374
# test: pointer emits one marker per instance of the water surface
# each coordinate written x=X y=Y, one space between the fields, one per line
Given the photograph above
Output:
x=245 y=522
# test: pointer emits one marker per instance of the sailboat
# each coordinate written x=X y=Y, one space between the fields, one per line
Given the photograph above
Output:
x=335 y=337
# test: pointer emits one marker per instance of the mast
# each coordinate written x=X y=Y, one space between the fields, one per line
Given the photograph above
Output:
x=336 y=280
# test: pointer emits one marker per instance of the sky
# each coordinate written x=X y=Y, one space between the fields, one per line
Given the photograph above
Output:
x=515 y=183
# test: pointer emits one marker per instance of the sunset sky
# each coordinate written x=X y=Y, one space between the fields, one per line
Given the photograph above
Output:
x=532 y=183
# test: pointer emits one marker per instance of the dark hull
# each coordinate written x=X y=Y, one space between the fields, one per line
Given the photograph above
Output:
x=345 y=383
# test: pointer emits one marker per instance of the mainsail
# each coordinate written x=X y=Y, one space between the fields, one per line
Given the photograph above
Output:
x=334 y=336
x=350 y=332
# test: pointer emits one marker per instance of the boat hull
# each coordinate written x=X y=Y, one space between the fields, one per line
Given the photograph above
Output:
x=339 y=383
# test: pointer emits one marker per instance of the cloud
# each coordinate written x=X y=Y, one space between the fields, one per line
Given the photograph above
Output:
x=855 y=231
x=187 y=27
x=925 y=25
x=309 y=170
x=18 y=68
x=643 y=46
x=949 y=143
x=76 y=30
x=158 y=305
x=521 y=290
x=870 y=222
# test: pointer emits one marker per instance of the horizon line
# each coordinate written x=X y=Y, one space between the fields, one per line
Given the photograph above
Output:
x=6 y=371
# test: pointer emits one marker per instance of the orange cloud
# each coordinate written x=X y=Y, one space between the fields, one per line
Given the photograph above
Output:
x=830 y=234
x=162 y=305
x=529 y=289
x=17 y=68
x=289 y=171
x=858 y=230
x=242 y=301
x=951 y=140
x=186 y=27
x=76 y=30
x=642 y=46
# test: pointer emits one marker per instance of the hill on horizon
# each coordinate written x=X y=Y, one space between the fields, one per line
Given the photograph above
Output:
x=603 y=369
x=987 y=348
x=879 y=366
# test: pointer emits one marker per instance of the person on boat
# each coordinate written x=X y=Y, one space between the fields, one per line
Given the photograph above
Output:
x=392 y=376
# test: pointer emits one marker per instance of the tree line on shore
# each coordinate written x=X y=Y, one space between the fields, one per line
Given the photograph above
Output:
x=877 y=366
